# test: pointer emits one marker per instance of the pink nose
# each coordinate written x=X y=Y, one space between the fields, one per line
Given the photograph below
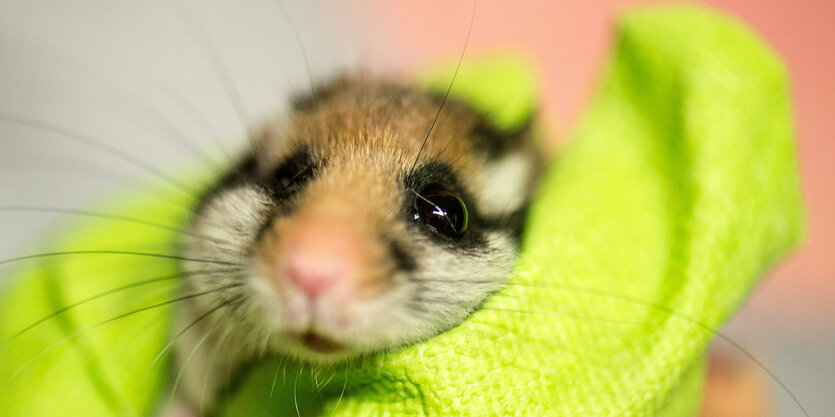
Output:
x=312 y=281
x=320 y=255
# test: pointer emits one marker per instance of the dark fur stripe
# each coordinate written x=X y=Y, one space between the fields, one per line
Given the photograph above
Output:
x=402 y=259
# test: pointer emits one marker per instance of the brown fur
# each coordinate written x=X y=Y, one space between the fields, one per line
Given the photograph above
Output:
x=365 y=121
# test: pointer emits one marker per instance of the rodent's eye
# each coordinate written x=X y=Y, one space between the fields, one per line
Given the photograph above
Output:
x=441 y=210
x=291 y=177
x=293 y=173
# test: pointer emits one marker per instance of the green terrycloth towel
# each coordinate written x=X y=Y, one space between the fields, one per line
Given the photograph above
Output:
x=679 y=190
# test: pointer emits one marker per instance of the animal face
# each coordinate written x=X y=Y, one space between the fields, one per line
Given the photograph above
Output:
x=357 y=228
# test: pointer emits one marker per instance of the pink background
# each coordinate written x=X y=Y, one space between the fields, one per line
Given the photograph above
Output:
x=570 y=40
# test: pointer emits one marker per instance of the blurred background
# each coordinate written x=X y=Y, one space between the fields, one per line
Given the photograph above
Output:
x=121 y=70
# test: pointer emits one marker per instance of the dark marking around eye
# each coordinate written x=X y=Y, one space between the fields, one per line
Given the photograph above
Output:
x=291 y=174
x=512 y=223
x=402 y=259
x=434 y=172
x=496 y=142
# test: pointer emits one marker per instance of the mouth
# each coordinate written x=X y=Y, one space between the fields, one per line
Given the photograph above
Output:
x=318 y=343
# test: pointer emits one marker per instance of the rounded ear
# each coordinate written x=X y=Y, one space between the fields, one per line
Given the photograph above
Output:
x=502 y=87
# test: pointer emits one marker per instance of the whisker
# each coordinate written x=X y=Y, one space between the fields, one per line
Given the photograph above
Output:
x=295 y=391
x=449 y=88
x=231 y=301
x=99 y=145
x=113 y=319
x=112 y=291
x=116 y=86
x=452 y=139
x=327 y=381
x=516 y=297
x=284 y=374
x=315 y=376
x=194 y=28
x=278 y=363
x=485 y=280
x=308 y=68
x=183 y=331
x=560 y=314
x=212 y=361
x=341 y=394
x=103 y=176
x=192 y=324
x=188 y=360
x=673 y=313
x=174 y=132
x=109 y=216
x=299 y=42
x=111 y=252
x=198 y=117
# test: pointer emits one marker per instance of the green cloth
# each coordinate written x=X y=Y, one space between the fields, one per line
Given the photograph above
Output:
x=679 y=190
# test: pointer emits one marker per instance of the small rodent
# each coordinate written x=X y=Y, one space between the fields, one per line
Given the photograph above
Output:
x=368 y=221
x=376 y=214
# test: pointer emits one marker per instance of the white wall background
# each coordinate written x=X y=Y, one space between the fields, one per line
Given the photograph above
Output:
x=118 y=70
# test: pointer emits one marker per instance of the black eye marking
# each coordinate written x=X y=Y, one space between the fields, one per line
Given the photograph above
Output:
x=441 y=210
x=460 y=228
x=402 y=258
x=296 y=170
x=495 y=142
x=285 y=180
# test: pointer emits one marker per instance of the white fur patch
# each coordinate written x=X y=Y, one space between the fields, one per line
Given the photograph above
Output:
x=506 y=184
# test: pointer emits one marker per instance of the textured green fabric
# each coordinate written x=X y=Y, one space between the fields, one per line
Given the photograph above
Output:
x=678 y=191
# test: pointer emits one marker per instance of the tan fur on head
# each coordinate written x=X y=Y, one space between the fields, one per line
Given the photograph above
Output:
x=358 y=117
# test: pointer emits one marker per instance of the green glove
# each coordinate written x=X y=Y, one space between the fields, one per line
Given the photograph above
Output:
x=679 y=190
